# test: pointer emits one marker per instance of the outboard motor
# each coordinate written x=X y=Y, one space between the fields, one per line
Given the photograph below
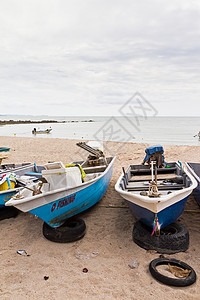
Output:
x=155 y=153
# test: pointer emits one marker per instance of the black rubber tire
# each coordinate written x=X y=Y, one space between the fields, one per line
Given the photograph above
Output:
x=8 y=212
x=173 y=238
x=168 y=280
x=72 y=230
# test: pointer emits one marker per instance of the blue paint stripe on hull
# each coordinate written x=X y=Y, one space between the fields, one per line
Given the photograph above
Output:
x=165 y=217
x=84 y=199
x=5 y=196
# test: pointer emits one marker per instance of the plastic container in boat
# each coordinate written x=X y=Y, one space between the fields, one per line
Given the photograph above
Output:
x=60 y=177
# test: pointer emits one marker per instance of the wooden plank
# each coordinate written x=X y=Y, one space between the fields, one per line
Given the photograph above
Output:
x=160 y=188
x=148 y=177
x=94 y=169
x=141 y=171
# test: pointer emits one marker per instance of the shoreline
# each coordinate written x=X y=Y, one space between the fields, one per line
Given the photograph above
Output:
x=151 y=131
x=106 y=250
x=113 y=147
x=12 y=122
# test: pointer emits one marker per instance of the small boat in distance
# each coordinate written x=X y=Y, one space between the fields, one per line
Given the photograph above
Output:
x=34 y=131
x=198 y=135
x=194 y=169
x=156 y=193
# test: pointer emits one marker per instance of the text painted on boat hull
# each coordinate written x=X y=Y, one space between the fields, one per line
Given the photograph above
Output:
x=63 y=202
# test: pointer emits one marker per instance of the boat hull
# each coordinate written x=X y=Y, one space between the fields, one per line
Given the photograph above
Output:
x=194 y=168
x=165 y=217
x=54 y=208
x=163 y=209
x=7 y=195
x=196 y=194
x=4 y=149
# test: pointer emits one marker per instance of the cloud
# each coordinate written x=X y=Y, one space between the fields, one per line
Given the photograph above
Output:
x=91 y=56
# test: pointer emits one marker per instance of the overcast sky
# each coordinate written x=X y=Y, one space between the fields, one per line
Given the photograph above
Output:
x=88 y=57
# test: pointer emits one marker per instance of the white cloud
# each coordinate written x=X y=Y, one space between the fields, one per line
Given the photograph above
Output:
x=88 y=57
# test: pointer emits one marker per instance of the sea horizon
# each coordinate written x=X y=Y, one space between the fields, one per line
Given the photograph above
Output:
x=90 y=116
x=151 y=130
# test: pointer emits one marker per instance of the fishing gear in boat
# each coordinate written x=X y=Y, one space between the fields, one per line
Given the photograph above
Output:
x=155 y=153
x=153 y=187
x=35 y=191
x=97 y=154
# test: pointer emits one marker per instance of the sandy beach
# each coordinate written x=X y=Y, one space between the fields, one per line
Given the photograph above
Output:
x=107 y=248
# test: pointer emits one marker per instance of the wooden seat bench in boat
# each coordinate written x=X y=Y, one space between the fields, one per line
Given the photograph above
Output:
x=94 y=169
x=147 y=171
x=160 y=188
x=149 y=177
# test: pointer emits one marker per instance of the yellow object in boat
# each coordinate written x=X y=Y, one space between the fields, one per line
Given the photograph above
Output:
x=77 y=165
x=5 y=186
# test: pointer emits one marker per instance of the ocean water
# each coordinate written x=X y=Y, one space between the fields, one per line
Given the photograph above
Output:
x=151 y=130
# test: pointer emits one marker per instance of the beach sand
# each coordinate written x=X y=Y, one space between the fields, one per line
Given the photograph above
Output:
x=107 y=248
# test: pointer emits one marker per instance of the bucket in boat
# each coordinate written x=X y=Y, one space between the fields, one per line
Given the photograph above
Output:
x=7 y=183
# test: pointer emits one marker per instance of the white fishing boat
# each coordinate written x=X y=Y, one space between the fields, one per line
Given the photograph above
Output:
x=65 y=191
x=156 y=195
x=48 y=130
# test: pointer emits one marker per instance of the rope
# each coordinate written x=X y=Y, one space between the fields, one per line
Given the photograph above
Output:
x=192 y=211
x=113 y=206
x=83 y=175
x=155 y=222
x=153 y=190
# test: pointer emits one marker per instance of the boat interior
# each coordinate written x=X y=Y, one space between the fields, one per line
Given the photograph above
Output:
x=12 y=167
x=96 y=169
x=137 y=179
x=55 y=175
x=21 y=174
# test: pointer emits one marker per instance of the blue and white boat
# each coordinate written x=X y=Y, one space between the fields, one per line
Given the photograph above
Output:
x=63 y=193
x=24 y=173
x=194 y=168
x=48 y=130
x=4 y=149
x=156 y=200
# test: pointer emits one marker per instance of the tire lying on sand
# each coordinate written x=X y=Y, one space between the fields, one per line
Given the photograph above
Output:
x=173 y=238
x=72 y=230
x=8 y=212
x=190 y=279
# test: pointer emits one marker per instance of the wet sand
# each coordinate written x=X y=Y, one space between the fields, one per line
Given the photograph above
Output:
x=107 y=248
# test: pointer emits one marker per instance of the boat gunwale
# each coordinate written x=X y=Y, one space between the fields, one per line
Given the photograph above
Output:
x=81 y=186
x=16 y=169
x=16 y=189
x=156 y=199
x=11 y=190
x=192 y=172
